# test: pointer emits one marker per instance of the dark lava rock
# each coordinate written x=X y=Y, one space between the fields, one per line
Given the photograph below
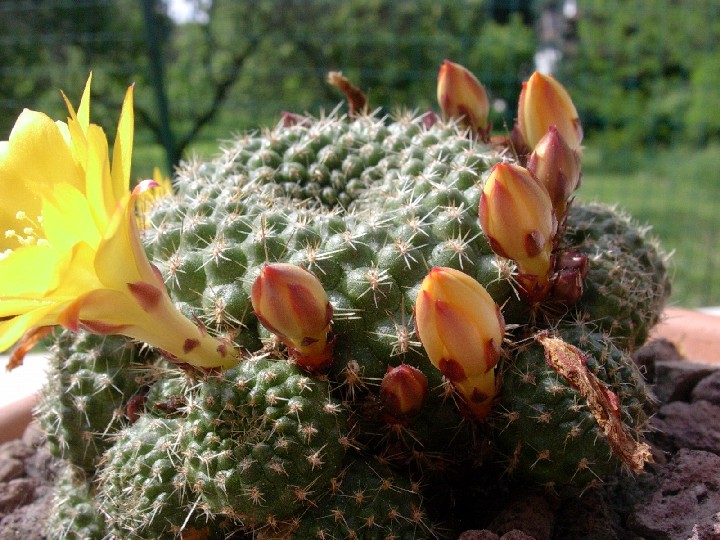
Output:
x=708 y=389
x=586 y=516
x=654 y=351
x=16 y=492
x=687 y=425
x=26 y=486
x=479 y=535
x=687 y=501
x=532 y=514
x=11 y=468
x=16 y=449
x=484 y=534
x=26 y=522
x=676 y=379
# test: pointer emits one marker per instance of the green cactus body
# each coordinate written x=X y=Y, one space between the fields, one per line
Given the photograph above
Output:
x=74 y=514
x=262 y=440
x=368 y=501
x=628 y=283
x=411 y=198
x=247 y=448
x=548 y=426
x=90 y=380
x=399 y=199
x=143 y=490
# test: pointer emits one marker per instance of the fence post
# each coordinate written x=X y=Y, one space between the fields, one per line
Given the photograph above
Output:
x=158 y=81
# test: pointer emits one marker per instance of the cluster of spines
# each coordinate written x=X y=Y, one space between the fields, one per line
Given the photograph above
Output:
x=91 y=379
x=74 y=514
x=261 y=440
x=367 y=500
x=627 y=283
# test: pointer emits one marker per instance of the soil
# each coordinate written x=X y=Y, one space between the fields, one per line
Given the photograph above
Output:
x=677 y=498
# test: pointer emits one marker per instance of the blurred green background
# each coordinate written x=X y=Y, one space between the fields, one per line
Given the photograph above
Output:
x=644 y=75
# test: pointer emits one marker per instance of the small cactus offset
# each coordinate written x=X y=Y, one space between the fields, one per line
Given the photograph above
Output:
x=74 y=514
x=92 y=382
x=364 y=316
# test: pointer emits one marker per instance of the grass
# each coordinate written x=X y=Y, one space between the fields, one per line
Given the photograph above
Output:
x=675 y=191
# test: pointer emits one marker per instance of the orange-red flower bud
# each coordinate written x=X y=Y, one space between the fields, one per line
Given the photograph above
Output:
x=461 y=329
x=557 y=166
x=291 y=303
x=517 y=217
x=403 y=391
x=462 y=96
x=544 y=102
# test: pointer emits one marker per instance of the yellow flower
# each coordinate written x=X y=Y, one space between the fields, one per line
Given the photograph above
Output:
x=544 y=102
x=517 y=217
x=462 y=96
x=461 y=329
x=73 y=255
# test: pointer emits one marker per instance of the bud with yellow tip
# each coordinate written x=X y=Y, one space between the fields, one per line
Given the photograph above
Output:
x=557 y=166
x=517 y=217
x=544 y=102
x=463 y=97
x=291 y=303
x=461 y=329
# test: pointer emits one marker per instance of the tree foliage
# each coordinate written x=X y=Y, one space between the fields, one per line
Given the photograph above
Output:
x=52 y=45
x=644 y=72
x=243 y=62
x=391 y=49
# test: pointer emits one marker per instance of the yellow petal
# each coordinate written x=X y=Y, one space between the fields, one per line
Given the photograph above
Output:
x=12 y=330
x=98 y=187
x=67 y=219
x=84 y=109
x=35 y=158
x=82 y=117
x=122 y=150
x=28 y=271
x=121 y=257
x=76 y=274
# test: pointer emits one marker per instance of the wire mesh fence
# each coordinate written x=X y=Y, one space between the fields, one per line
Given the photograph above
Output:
x=644 y=75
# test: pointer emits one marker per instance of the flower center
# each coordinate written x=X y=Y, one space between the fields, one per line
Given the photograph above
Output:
x=29 y=235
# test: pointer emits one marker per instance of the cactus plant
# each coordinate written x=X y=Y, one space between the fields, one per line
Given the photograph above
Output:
x=393 y=328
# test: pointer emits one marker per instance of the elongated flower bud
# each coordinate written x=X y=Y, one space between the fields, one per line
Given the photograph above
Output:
x=462 y=96
x=461 y=329
x=544 y=102
x=517 y=217
x=557 y=166
x=403 y=391
x=291 y=303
